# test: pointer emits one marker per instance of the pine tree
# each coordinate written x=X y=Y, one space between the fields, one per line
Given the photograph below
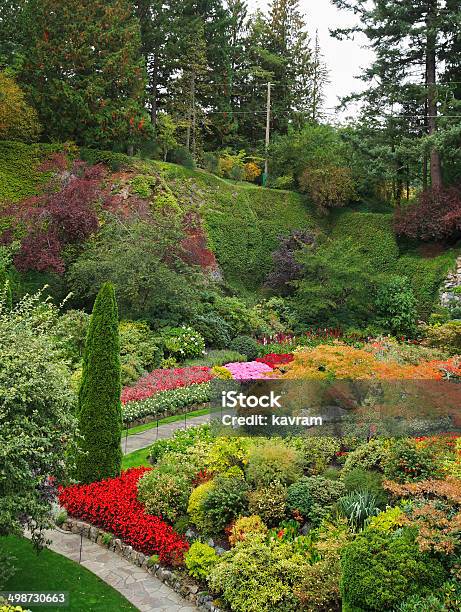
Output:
x=159 y=44
x=317 y=82
x=99 y=406
x=410 y=40
x=83 y=71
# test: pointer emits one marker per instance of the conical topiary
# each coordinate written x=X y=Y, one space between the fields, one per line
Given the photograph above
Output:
x=99 y=406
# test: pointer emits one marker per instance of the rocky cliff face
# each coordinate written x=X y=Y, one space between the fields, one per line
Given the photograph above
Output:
x=450 y=291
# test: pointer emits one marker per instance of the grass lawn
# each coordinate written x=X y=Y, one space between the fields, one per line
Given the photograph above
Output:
x=49 y=571
x=136 y=459
x=165 y=421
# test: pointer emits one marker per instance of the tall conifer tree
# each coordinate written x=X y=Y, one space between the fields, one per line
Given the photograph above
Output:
x=99 y=406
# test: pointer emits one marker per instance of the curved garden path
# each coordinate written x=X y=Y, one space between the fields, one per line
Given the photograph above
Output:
x=147 y=437
x=146 y=592
x=143 y=590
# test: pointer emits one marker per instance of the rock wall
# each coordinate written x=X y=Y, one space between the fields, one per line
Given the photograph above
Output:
x=448 y=294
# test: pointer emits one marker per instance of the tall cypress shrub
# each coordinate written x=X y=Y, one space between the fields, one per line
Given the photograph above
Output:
x=99 y=406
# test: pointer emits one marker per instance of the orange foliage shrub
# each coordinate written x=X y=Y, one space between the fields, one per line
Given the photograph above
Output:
x=448 y=489
x=328 y=186
x=252 y=171
x=340 y=361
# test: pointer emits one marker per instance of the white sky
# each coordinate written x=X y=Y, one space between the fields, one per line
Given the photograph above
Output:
x=344 y=59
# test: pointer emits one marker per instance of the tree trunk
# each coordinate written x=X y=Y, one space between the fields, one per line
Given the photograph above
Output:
x=194 y=146
x=431 y=44
x=154 y=103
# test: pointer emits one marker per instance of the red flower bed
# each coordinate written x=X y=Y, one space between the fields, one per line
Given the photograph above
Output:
x=165 y=380
x=273 y=359
x=112 y=505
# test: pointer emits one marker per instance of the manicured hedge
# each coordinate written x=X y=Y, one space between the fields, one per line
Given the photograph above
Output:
x=373 y=235
x=171 y=402
x=243 y=222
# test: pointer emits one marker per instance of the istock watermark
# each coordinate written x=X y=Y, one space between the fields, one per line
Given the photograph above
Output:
x=339 y=408
x=232 y=399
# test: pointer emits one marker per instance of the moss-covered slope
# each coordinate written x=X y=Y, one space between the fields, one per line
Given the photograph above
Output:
x=242 y=221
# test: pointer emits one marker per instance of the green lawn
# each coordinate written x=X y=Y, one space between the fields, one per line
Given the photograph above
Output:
x=136 y=459
x=49 y=571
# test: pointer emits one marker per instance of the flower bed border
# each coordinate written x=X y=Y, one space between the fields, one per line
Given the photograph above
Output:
x=186 y=587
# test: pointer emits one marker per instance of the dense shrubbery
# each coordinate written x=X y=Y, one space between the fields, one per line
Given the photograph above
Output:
x=245 y=346
x=436 y=216
x=380 y=570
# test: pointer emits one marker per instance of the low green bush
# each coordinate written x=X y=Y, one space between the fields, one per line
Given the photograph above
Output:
x=319 y=452
x=195 y=507
x=182 y=440
x=446 y=336
x=269 y=503
x=274 y=461
x=181 y=156
x=371 y=455
x=200 y=559
x=395 y=306
x=183 y=342
x=256 y=575
x=246 y=346
x=214 y=329
x=164 y=494
x=216 y=358
x=314 y=496
x=408 y=461
x=227 y=500
x=380 y=570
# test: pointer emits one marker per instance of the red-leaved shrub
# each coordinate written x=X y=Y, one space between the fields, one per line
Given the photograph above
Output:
x=165 y=380
x=113 y=506
x=436 y=216
x=274 y=359
x=64 y=214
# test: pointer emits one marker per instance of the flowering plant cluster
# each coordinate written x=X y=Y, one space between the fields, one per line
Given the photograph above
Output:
x=167 y=401
x=249 y=370
x=184 y=342
x=112 y=505
x=311 y=334
x=275 y=359
x=165 y=380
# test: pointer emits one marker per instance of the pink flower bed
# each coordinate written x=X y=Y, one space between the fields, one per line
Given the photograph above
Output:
x=165 y=380
x=248 y=370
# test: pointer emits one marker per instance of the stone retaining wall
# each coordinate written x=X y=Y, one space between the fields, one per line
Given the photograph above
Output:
x=448 y=295
x=183 y=585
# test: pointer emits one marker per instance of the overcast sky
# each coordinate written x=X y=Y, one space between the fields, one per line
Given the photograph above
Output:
x=344 y=59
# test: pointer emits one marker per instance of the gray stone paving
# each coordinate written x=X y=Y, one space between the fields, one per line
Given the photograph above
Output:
x=143 y=590
x=146 y=438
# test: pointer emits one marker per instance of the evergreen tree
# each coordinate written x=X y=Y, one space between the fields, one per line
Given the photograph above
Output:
x=83 y=71
x=411 y=40
x=159 y=44
x=190 y=89
x=99 y=406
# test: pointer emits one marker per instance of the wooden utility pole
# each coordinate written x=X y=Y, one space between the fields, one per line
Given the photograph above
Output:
x=268 y=127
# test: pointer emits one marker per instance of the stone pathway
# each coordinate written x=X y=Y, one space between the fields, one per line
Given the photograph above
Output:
x=143 y=590
x=146 y=438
